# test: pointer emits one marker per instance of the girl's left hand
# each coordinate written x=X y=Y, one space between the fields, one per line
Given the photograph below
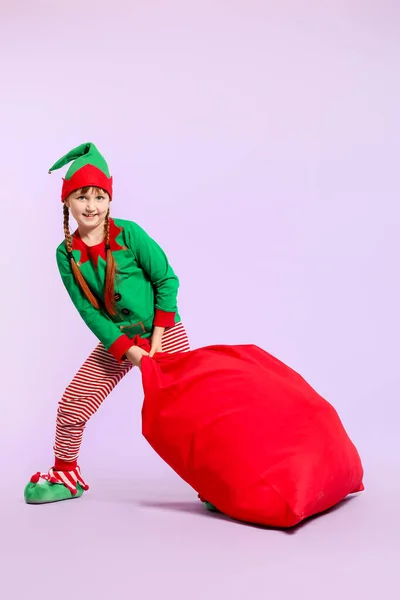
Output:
x=156 y=345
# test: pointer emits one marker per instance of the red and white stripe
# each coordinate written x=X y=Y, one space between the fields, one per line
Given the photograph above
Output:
x=68 y=478
x=175 y=339
x=94 y=381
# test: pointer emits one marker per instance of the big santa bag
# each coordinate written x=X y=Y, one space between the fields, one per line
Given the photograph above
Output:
x=248 y=433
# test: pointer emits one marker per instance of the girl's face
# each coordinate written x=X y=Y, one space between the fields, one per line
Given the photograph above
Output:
x=88 y=207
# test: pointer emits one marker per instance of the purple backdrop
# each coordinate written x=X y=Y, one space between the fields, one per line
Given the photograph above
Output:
x=258 y=142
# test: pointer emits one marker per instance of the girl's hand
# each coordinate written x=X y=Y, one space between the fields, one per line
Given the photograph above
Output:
x=156 y=345
x=135 y=355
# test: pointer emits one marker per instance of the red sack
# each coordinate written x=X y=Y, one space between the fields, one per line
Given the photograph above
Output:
x=248 y=433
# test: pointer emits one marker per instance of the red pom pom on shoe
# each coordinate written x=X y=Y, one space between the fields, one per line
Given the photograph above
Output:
x=35 y=478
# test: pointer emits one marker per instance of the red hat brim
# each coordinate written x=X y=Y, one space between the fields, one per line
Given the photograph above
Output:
x=86 y=176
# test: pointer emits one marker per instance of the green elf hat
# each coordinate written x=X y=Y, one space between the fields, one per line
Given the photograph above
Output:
x=88 y=168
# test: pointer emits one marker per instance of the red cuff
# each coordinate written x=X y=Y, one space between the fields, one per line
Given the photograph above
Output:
x=120 y=346
x=64 y=465
x=164 y=319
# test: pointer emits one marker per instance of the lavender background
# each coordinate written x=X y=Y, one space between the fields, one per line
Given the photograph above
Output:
x=258 y=142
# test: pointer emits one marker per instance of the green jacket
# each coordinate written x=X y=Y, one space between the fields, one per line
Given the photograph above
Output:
x=146 y=287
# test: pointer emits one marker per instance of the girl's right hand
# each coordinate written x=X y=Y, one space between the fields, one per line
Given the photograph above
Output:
x=135 y=355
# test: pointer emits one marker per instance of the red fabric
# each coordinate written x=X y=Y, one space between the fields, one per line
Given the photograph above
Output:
x=120 y=346
x=123 y=343
x=163 y=318
x=248 y=433
x=64 y=465
x=93 y=252
x=87 y=175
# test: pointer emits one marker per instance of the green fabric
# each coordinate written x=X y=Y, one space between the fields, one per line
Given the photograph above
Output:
x=211 y=507
x=144 y=279
x=85 y=154
x=43 y=493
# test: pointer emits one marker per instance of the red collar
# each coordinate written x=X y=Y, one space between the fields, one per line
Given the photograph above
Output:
x=93 y=252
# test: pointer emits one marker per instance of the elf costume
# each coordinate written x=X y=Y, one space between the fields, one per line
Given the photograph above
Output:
x=243 y=429
x=145 y=295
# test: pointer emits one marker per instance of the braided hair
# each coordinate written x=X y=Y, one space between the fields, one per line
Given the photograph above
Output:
x=110 y=271
x=109 y=301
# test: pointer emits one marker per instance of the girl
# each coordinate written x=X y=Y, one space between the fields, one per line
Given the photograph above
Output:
x=123 y=287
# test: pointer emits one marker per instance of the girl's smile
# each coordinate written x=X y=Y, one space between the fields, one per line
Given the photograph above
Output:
x=89 y=207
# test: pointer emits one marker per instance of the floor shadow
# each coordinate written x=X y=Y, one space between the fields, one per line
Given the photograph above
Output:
x=198 y=508
x=331 y=510
x=193 y=507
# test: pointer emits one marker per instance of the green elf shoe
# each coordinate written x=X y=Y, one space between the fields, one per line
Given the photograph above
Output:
x=50 y=490
x=210 y=507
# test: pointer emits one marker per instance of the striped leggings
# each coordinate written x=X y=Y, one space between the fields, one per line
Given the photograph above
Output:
x=94 y=381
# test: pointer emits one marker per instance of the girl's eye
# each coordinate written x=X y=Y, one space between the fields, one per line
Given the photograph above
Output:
x=82 y=198
x=100 y=197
